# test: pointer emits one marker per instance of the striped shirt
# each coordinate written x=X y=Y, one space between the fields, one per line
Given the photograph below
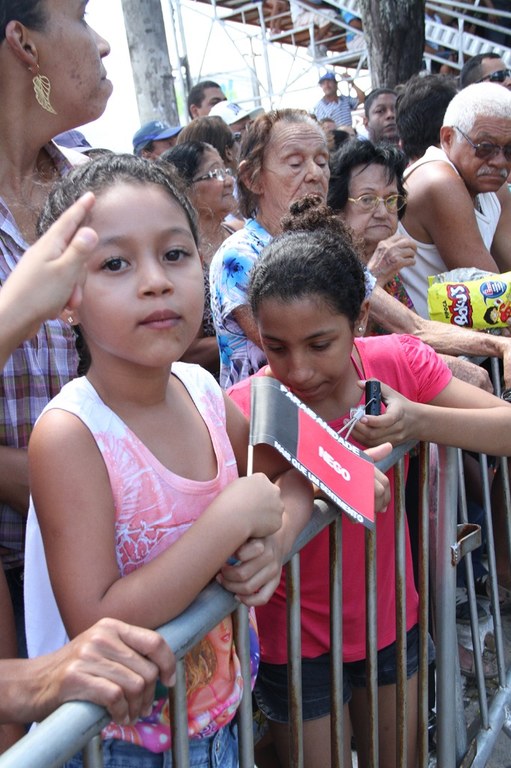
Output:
x=339 y=110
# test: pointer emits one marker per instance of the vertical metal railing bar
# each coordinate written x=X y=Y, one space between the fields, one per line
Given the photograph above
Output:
x=244 y=714
x=336 y=654
x=444 y=585
x=423 y=586
x=93 y=753
x=371 y=645
x=474 y=621
x=294 y=651
x=179 y=718
x=492 y=567
x=504 y=479
x=503 y=464
x=400 y=586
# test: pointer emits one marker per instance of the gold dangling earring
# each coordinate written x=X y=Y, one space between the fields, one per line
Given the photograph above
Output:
x=42 y=90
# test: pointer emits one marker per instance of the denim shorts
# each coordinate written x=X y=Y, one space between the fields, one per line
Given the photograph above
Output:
x=271 y=686
x=217 y=751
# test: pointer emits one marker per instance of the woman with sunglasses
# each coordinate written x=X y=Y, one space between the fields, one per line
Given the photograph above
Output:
x=210 y=187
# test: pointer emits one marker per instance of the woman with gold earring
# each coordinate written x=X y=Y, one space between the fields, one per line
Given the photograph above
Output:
x=52 y=79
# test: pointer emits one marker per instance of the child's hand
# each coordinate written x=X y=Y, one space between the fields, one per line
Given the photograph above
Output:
x=259 y=501
x=397 y=425
x=51 y=273
x=257 y=576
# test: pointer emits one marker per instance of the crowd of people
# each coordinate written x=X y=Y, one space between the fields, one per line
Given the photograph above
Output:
x=140 y=294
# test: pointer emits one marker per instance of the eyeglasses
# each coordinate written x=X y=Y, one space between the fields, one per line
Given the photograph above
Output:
x=393 y=203
x=487 y=149
x=218 y=174
x=496 y=77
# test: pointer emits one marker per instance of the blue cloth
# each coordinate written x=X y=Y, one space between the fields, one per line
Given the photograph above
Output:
x=217 y=751
x=229 y=276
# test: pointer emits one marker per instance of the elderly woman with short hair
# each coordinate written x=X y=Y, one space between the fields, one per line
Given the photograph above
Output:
x=284 y=156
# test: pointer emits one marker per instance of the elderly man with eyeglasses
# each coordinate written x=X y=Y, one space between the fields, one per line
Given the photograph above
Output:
x=459 y=205
x=458 y=214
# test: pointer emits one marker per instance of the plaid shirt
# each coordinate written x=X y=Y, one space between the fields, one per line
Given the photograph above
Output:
x=32 y=376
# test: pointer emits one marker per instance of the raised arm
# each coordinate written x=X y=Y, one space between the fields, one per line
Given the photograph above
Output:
x=48 y=277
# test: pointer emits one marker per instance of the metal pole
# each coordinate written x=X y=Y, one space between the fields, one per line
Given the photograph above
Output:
x=400 y=587
x=337 y=705
x=371 y=645
x=445 y=606
x=294 y=651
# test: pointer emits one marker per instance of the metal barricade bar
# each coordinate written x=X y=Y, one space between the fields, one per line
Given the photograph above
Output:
x=70 y=727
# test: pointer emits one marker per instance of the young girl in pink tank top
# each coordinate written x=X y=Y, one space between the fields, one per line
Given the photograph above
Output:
x=138 y=494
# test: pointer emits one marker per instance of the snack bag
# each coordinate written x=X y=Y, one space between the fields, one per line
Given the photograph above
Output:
x=470 y=298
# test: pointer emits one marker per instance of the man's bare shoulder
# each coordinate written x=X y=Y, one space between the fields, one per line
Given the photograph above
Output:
x=435 y=193
x=431 y=175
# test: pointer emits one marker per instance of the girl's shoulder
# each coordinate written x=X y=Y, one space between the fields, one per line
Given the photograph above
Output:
x=202 y=387
x=405 y=363
x=75 y=396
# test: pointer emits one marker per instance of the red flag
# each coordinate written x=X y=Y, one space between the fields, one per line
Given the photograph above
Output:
x=342 y=472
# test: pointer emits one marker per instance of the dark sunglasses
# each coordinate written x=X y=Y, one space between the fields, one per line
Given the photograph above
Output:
x=487 y=149
x=496 y=77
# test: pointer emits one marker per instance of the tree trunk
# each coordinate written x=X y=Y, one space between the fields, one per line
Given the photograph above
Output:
x=152 y=72
x=394 y=30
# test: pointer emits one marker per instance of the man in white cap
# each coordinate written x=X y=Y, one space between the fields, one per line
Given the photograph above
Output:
x=237 y=118
x=334 y=105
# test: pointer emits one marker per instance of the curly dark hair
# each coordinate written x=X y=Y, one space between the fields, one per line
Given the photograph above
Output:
x=355 y=153
x=314 y=256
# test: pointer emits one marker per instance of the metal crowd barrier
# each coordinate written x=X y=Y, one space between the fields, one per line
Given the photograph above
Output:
x=441 y=546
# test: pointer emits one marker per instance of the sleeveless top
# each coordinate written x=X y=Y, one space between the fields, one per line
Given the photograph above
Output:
x=153 y=508
x=428 y=260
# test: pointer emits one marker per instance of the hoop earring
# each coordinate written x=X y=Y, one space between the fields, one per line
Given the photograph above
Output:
x=42 y=90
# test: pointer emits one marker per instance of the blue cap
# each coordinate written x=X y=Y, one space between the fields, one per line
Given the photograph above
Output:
x=327 y=76
x=72 y=140
x=153 y=131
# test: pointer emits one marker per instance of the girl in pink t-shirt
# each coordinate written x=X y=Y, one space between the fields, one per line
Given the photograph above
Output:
x=307 y=294
x=137 y=499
